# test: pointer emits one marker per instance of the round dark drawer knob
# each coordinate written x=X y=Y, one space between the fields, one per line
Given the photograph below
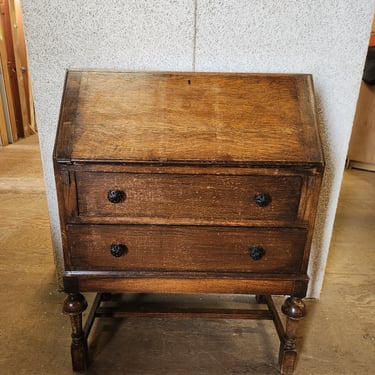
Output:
x=256 y=252
x=118 y=250
x=116 y=196
x=262 y=199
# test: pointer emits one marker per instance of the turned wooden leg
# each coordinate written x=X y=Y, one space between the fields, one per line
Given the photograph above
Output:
x=74 y=305
x=294 y=309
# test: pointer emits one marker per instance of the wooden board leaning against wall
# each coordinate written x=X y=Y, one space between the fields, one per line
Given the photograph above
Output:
x=361 y=152
x=17 y=117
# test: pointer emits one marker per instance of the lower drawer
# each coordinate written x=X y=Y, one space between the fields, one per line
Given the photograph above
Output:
x=184 y=248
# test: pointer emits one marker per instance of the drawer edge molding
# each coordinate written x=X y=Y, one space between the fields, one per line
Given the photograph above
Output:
x=108 y=283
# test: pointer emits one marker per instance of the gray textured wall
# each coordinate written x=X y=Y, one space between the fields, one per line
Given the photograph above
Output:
x=327 y=38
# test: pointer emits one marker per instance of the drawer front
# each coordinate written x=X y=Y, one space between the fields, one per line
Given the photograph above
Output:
x=211 y=198
x=174 y=248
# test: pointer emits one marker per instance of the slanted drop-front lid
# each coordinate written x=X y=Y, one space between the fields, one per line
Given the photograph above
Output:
x=177 y=118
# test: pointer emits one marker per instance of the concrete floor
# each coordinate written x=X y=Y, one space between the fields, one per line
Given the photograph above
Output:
x=338 y=333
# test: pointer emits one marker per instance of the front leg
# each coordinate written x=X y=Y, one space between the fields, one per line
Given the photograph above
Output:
x=74 y=305
x=294 y=309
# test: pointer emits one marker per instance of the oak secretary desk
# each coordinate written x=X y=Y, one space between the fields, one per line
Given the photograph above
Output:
x=187 y=183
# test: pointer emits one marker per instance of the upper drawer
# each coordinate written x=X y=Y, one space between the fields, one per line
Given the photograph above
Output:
x=179 y=198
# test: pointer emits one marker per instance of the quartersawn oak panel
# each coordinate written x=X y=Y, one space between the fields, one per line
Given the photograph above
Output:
x=179 y=196
x=183 y=248
x=200 y=118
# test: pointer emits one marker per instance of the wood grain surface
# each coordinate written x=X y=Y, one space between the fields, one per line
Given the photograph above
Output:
x=183 y=248
x=199 y=198
x=189 y=117
x=188 y=183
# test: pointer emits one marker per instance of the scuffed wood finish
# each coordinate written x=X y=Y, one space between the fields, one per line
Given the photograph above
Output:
x=295 y=310
x=177 y=248
x=232 y=118
x=74 y=305
x=205 y=197
x=188 y=283
x=189 y=183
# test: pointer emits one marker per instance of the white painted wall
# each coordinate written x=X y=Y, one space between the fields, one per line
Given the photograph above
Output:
x=327 y=38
